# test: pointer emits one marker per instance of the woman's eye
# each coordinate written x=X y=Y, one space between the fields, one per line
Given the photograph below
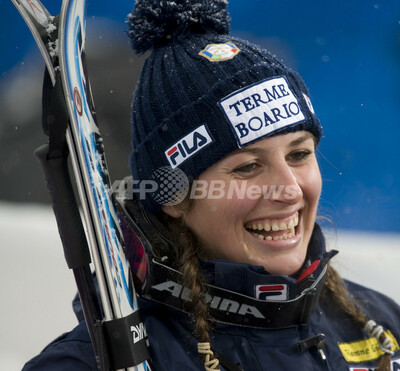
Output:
x=299 y=156
x=247 y=169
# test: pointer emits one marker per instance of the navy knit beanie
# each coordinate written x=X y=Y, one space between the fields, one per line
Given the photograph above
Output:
x=202 y=93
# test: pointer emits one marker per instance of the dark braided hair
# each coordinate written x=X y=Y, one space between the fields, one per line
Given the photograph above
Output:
x=336 y=290
x=188 y=263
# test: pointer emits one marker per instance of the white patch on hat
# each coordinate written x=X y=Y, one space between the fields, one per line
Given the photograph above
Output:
x=219 y=52
x=189 y=145
x=261 y=109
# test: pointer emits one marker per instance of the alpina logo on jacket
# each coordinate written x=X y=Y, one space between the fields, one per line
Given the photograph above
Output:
x=216 y=302
x=261 y=109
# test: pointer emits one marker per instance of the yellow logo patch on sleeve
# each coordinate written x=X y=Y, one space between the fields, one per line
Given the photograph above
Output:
x=365 y=350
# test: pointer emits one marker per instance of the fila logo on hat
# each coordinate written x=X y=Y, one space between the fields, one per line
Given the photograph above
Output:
x=261 y=109
x=188 y=146
x=219 y=52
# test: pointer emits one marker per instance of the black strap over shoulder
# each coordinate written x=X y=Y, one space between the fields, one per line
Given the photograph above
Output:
x=230 y=307
x=54 y=109
x=54 y=116
x=127 y=341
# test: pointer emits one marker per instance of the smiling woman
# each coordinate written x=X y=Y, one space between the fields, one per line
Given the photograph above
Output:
x=272 y=230
x=239 y=277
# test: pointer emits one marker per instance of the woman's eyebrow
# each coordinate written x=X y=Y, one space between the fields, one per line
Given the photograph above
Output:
x=301 y=139
x=293 y=143
x=251 y=150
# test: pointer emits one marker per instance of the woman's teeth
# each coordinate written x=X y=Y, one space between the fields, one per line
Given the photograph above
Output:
x=288 y=225
x=284 y=236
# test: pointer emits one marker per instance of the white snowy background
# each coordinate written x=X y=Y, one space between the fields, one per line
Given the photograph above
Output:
x=37 y=287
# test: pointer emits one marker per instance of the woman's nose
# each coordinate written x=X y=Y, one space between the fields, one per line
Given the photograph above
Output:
x=282 y=185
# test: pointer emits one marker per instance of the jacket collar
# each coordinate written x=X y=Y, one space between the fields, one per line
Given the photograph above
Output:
x=247 y=279
x=236 y=292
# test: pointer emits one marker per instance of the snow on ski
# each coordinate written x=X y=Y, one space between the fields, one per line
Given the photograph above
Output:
x=40 y=24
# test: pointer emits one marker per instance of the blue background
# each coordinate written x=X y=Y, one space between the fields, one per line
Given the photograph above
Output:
x=348 y=52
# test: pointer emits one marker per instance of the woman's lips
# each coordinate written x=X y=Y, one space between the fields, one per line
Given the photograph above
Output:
x=279 y=233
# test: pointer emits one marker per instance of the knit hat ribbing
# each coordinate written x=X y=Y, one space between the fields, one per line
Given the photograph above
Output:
x=182 y=89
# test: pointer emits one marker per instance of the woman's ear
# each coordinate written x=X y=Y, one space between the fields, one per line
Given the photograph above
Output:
x=175 y=211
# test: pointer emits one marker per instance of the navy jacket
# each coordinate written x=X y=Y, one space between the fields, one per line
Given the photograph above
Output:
x=173 y=347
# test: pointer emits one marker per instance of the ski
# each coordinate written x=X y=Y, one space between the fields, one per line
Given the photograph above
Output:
x=62 y=44
x=40 y=23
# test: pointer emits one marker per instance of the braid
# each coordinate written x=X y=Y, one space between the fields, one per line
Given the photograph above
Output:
x=189 y=251
x=193 y=280
x=336 y=290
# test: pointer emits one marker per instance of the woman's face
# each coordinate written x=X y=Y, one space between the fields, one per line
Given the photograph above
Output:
x=258 y=205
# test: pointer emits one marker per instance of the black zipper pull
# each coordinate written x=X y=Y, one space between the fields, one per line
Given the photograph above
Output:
x=317 y=342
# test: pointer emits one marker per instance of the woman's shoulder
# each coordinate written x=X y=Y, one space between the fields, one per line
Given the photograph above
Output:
x=73 y=350
x=70 y=351
x=377 y=305
x=368 y=294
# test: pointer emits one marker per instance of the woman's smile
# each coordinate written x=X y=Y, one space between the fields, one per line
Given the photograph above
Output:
x=276 y=233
